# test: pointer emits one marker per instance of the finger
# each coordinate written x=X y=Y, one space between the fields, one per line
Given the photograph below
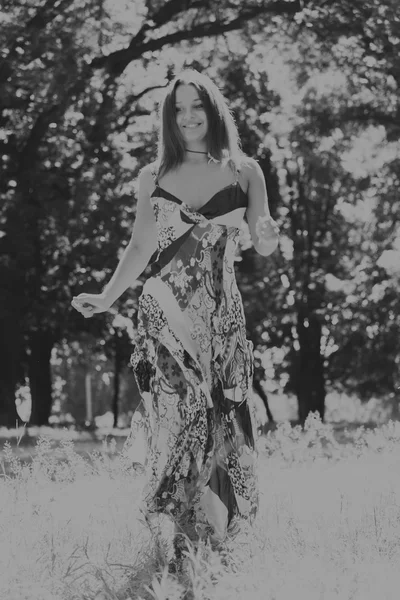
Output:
x=83 y=297
x=77 y=305
x=88 y=309
x=87 y=303
x=85 y=311
x=80 y=304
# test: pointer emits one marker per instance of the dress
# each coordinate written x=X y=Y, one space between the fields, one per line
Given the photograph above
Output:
x=194 y=366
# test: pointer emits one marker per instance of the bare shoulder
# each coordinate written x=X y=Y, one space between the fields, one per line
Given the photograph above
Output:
x=147 y=177
x=149 y=171
x=250 y=169
x=151 y=168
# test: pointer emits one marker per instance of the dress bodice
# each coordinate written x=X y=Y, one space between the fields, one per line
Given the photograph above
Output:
x=221 y=215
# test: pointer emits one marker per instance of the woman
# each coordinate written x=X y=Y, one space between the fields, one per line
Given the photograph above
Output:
x=193 y=363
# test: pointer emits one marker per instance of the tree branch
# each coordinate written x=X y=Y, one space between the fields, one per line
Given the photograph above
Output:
x=150 y=88
x=27 y=152
x=137 y=111
x=116 y=62
x=365 y=113
x=172 y=8
x=44 y=15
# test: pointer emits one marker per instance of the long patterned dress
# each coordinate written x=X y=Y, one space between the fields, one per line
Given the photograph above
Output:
x=193 y=366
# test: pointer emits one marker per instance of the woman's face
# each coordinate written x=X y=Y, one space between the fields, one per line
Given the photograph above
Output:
x=191 y=116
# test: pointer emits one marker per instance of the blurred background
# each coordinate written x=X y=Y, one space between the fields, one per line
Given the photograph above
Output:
x=314 y=88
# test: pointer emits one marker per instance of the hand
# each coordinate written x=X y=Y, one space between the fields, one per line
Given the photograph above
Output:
x=266 y=227
x=90 y=304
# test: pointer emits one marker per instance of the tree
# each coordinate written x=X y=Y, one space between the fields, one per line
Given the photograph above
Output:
x=59 y=90
x=319 y=241
x=79 y=87
x=361 y=304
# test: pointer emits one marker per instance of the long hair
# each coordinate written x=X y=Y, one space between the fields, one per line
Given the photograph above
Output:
x=222 y=135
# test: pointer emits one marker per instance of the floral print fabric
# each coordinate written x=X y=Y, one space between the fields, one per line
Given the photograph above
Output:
x=193 y=366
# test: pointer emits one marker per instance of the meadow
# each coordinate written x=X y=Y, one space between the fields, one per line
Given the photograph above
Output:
x=328 y=526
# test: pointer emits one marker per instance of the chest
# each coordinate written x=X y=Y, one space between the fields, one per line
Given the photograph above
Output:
x=197 y=193
x=196 y=187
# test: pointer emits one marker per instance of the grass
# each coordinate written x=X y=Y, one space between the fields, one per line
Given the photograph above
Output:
x=328 y=526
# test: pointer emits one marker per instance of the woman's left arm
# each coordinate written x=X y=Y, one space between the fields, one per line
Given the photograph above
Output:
x=263 y=229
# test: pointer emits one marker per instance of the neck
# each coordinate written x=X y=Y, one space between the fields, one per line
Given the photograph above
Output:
x=196 y=145
x=196 y=155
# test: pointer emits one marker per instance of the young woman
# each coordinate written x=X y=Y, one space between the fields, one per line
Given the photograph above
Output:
x=193 y=363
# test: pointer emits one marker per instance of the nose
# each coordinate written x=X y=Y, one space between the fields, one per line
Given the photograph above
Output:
x=187 y=113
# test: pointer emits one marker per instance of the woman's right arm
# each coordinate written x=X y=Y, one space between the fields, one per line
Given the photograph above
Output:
x=135 y=258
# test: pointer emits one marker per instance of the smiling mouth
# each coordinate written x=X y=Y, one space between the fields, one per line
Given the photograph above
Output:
x=192 y=126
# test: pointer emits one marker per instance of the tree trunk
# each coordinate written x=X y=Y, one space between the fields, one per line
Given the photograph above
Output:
x=310 y=377
x=117 y=378
x=259 y=389
x=9 y=355
x=39 y=372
